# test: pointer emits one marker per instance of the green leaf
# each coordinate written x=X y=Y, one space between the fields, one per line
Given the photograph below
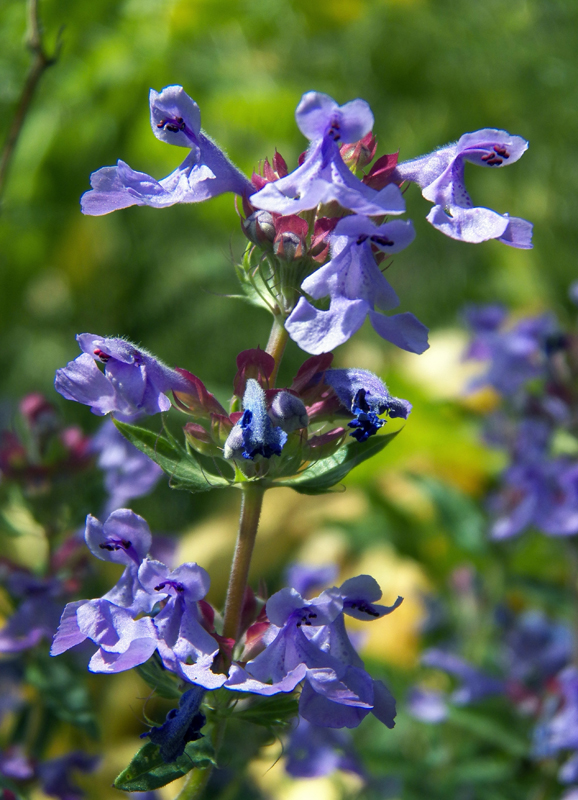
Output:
x=160 y=679
x=182 y=467
x=148 y=771
x=489 y=730
x=321 y=476
x=270 y=712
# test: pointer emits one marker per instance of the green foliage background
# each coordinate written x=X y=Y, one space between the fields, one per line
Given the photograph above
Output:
x=431 y=70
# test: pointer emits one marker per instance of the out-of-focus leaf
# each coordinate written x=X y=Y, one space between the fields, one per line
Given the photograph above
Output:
x=158 y=678
x=6 y=783
x=182 y=467
x=16 y=519
x=490 y=730
x=63 y=692
x=458 y=514
x=148 y=771
x=321 y=476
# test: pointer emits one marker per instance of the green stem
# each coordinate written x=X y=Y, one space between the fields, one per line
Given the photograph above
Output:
x=199 y=778
x=278 y=338
x=251 y=502
x=40 y=63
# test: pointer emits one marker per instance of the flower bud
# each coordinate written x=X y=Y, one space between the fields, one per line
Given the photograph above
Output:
x=200 y=440
x=195 y=399
x=259 y=227
x=288 y=412
x=256 y=364
x=381 y=172
x=359 y=154
x=288 y=246
x=235 y=443
x=291 y=233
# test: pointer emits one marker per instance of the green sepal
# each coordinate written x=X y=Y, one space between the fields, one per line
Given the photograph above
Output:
x=321 y=476
x=160 y=679
x=250 y=275
x=270 y=712
x=148 y=771
x=182 y=467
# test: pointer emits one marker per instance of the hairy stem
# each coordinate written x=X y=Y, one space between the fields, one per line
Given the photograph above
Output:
x=252 y=500
x=40 y=62
x=276 y=345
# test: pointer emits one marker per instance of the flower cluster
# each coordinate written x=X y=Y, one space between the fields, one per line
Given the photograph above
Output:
x=320 y=232
x=317 y=397
x=531 y=365
x=153 y=609
x=534 y=677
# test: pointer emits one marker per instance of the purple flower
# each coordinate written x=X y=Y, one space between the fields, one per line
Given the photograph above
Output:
x=128 y=473
x=304 y=578
x=54 y=775
x=441 y=178
x=182 y=725
x=559 y=729
x=475 y=686
x=356 y=288
x=323 y=177
x=542 y=494
x=254 y=434
x=182 y=641
x=133 y=381
x=206 y=172
x=313 y=752
x=15 y=764
x=427 y=705
x=115 y=622
x=124 y=538
x=365 y=396
x=308 y=641
x=536 y=648
x=516 y=355
x=37 y=617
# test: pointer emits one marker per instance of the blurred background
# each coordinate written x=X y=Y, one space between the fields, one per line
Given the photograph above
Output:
x=431 y=70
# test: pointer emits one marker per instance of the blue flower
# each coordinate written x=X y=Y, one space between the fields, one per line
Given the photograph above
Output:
x=254 y=434
x=206 y=172
x=150 y=608
x=365 y=396
x=182 y=725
